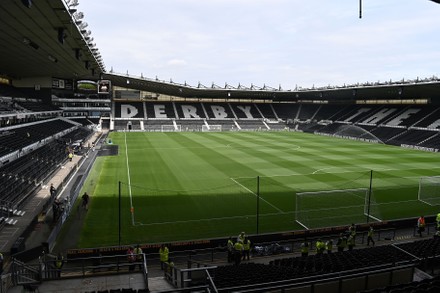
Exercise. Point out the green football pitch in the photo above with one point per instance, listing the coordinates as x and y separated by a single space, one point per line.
187 186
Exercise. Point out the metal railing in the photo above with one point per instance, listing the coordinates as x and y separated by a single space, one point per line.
47 269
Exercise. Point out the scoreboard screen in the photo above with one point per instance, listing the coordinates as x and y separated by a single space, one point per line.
104 86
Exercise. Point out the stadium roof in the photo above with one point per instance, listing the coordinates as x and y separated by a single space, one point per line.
44 38
51 39
427 88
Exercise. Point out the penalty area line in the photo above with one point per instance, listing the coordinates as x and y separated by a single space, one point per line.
206 219
129 180
301 224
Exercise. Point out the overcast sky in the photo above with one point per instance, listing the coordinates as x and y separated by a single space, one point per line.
273 42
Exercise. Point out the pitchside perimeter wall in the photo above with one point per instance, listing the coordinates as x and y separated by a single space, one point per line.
220 243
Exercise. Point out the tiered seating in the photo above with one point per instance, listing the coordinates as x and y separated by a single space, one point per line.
409 116
391 124
355 113
328 112
78 134
191 124
423 248
156 125
86 121
18 138
312 265
277 126
20 177
219 111
311 127
331 128
190 111
125 124
248 274
429 121
252 125
266 110
344 261
423 286
286 111
412 137
385 133
226 124
122 290
129 110
432 142
6 106
160 110
37 106
307 111
245 111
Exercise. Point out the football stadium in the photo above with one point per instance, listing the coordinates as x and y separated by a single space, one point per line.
115 182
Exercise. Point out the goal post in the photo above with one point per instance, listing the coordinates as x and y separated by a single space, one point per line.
327 208
171 128
206 128
429 190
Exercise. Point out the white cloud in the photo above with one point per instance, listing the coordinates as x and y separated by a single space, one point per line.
176 62
272 42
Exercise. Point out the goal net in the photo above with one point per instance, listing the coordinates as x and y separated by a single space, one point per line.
330 208
356 132
211 128
170 128
429 190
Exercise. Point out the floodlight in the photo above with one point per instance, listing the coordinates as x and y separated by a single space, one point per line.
78 15
86 33
83 25
73 3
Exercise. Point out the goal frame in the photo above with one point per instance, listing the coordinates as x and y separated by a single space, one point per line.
365 206
427 200
211 128
170 128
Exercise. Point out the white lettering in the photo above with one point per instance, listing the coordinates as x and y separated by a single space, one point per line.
396 121
159 111
246 110
128 111
219 112
190 112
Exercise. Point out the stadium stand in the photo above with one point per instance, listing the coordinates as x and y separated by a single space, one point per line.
35 106
259 125
189 111
34 141
10 91
349 269
267 111
22 176
85 121
286 111
220 111
17 138
400 125
245 111
191 124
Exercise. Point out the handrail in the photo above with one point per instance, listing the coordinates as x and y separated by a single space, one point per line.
263 287
211 282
